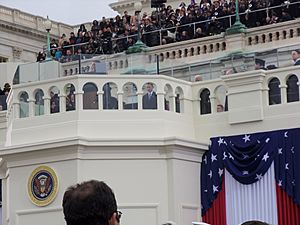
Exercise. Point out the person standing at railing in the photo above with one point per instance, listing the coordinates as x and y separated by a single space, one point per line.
150 37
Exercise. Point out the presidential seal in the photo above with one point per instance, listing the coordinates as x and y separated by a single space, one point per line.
42 186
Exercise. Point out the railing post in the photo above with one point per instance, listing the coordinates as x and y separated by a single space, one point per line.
100 99
140 100
46 105
160 101
172 103
62 103
31 103
213 103
16 108
79 100
120 100
283 92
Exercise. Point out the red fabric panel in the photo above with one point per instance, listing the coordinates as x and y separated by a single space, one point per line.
288 211
216 215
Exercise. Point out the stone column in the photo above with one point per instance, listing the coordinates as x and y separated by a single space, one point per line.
31 110
140 100
283 92
213 103
16 107
172 103
100 99
161 101
120 100
46 105
79 100
62 103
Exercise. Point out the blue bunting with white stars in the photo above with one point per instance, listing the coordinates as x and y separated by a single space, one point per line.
247 158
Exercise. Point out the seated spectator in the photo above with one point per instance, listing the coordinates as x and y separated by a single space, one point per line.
260 64
296 57
198 78
91 202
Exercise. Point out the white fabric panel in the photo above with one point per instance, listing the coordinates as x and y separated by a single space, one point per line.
251 202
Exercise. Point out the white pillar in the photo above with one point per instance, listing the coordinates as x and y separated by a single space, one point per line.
46 105
172 103
161 101
120 100
31 104
100 99
140 100
79 100
213 104
62 103
283 91
16 107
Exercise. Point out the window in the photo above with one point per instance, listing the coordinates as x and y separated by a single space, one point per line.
3 59
54 100
24 105
70 97
179 100
130 97
110 96
292 89
274 92
90 96
205 104
39 102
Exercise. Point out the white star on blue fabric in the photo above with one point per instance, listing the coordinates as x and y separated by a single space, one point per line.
286 134
205 191
213 158
292 150
220 141
245 156
266 156
267 140
279 150
231 157
258 176
221 171
246 138
280 183
287 166
293 183
224 155
205 159
210 174
245 172
215 188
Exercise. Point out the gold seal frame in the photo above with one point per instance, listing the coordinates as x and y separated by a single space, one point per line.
53 194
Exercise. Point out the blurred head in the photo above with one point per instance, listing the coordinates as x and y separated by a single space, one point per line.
295 55
90 203
150 87
220 108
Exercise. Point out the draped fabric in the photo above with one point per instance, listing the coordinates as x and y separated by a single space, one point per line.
256 201
247 158
217 213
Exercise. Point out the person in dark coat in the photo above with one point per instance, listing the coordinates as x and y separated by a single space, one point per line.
260 64
150 37
296 57
150 98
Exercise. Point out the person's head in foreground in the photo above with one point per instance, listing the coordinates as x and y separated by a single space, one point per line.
90 203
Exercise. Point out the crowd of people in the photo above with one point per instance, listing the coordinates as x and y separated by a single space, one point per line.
167 25
3 96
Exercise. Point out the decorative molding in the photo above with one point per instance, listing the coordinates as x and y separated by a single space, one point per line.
17 52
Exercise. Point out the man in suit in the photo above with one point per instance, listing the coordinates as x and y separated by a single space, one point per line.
150 98
296 57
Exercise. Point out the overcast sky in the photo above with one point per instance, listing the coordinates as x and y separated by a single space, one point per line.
72 12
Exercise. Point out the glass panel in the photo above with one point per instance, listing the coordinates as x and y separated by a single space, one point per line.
130 97
24 105
220 94
3 105
168 97
39 103
110 96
